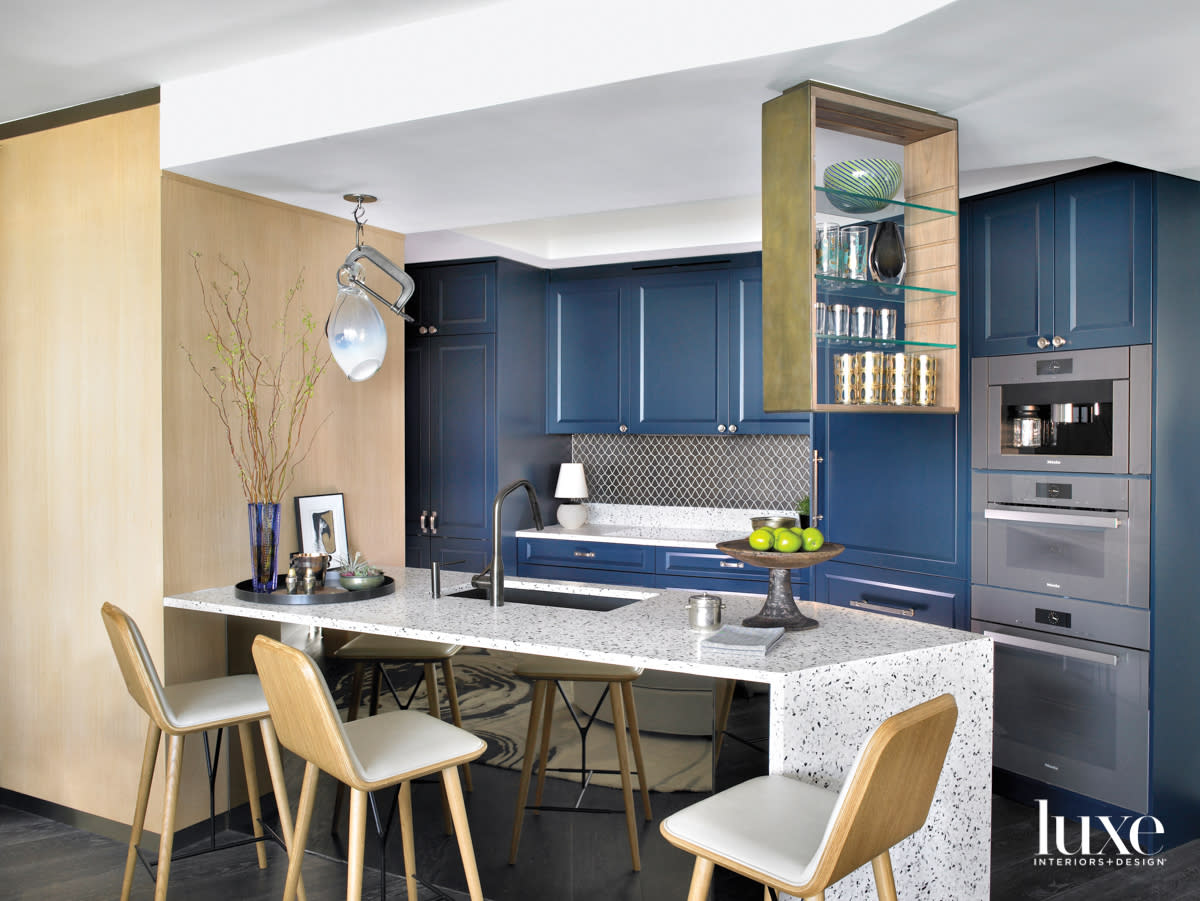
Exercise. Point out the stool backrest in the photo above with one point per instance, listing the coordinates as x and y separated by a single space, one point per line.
137 667
302 709
889 789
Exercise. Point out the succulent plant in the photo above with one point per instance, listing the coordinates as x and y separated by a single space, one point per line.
360 566
802 506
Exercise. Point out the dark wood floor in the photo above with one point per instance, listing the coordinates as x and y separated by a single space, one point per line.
563 857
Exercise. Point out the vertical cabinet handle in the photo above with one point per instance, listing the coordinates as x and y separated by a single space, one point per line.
814 516
433 522
424 516
1057 341
1042 343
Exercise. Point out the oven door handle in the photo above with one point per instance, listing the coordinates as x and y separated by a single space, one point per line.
1049 647
1084 520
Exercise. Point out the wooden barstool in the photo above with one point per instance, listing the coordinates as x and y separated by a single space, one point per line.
547 674
800 838
380 649
179 711
378 752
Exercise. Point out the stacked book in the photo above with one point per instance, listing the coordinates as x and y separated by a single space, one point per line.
743 640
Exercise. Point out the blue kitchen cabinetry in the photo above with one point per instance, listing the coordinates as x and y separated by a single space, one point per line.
473 417
1067 263
663 348
907 595
607 562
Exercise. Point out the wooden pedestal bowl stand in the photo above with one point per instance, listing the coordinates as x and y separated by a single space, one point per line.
780 608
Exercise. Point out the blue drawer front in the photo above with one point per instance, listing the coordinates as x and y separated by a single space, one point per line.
584 554
732 586
575 574
926 599
696 562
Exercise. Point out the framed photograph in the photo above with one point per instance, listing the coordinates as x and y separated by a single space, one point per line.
321 527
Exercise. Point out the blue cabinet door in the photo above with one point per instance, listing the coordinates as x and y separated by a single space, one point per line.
746 414
1104 254
462 434
416 447
676 351
1011 280
454 299
892 490
583 362
921 598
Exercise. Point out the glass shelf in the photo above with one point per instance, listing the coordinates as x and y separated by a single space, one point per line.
881 292
846 344
888 209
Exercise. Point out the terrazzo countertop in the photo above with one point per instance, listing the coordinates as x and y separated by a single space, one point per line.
651 633
691 527
653 536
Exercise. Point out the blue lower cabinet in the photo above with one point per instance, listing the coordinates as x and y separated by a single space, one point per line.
578 574
926 599
678 561
599 555
800 589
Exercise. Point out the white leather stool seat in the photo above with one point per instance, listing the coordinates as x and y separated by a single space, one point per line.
223 701
406 741
386 647
575 670
773 824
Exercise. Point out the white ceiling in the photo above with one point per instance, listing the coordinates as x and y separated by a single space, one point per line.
563 134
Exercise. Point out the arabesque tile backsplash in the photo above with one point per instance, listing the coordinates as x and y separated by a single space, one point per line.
742 471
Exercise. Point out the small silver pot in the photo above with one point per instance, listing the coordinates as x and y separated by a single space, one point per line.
704 612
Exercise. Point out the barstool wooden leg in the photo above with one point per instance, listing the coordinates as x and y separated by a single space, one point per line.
357 843
149 761
308 794
544 753
636 738
466 849
435 711
539 693
885 882
167 839
406 839
247 740
702 874
618 711
455 713
356 688
279 787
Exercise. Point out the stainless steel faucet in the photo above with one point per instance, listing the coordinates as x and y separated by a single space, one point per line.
492 577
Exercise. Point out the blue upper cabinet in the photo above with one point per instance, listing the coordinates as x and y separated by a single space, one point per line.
660 349
676 352
1103 258
1068 264
746 363
583 360
456 300
1012 270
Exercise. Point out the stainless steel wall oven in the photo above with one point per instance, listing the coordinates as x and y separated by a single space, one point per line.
1060 568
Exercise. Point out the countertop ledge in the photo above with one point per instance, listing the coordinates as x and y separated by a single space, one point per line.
648 535
651 633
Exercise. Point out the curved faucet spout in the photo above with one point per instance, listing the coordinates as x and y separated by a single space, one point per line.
492 577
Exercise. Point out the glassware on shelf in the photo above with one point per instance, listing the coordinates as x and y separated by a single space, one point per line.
885 324
886 258
862 319
924 380
838 320
820 314
898 379
871 377
825 257
852 242
845 379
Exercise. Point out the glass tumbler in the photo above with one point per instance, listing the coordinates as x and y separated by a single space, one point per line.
924 379
885 324
871 377
838 320
898 379
820 314
825 251
845 379
861 322
852 239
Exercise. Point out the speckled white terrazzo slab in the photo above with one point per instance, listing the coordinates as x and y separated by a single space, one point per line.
694 527
830 687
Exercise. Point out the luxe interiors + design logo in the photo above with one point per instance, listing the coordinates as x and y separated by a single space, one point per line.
1104 841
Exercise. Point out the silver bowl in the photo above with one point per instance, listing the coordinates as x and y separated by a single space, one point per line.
773 522
359 583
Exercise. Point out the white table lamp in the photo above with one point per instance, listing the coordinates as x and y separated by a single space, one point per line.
572 485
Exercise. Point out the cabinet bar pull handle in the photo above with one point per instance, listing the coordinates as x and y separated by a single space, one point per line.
585 553
433 523
424 516
1055 650
884 608
732 564
816 472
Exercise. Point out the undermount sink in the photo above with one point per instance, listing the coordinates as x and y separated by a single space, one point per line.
580 599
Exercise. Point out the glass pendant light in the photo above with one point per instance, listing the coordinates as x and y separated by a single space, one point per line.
356 333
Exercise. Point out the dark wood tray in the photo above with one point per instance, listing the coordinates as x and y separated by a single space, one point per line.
740 549
244 591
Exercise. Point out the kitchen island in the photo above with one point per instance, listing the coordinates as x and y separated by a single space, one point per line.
830 687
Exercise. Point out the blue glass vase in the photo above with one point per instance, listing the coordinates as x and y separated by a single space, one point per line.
264 545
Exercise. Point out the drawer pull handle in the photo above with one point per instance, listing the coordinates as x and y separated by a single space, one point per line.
1054 650
585 553
733 564
883 608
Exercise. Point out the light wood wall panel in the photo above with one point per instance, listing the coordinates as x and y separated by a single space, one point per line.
357 449
80 326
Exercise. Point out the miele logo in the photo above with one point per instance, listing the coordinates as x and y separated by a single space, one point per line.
1054 462
1053 585
1121 841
